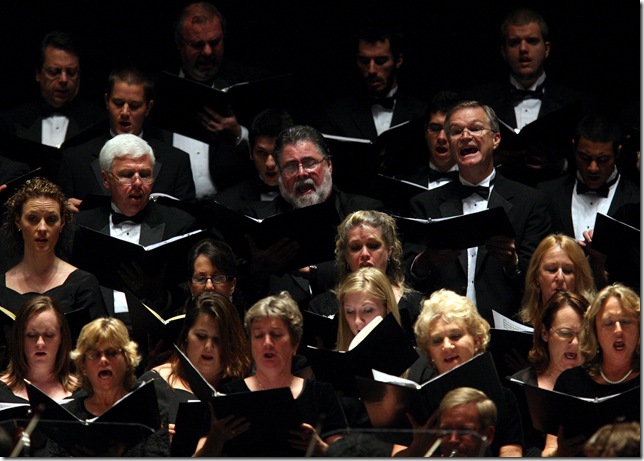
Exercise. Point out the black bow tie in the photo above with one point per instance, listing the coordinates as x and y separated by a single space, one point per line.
602 190
519 95
435 175
47 111
465 191
118 218
387 103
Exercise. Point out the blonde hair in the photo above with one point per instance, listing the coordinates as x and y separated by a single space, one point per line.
584 282
365 280
281 306
452 308
588 342
112 332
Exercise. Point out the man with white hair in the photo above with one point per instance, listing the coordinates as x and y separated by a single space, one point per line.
127 166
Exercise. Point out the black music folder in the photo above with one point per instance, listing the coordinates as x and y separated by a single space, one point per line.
314 228
387 398
102 255
179 100
357 161
614 238
395 193
129 421
503 342
385 347
322 327
456 232
578 415
146 321
32 153
551 133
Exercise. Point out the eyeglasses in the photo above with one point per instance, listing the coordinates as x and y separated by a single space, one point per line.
109 354
130 178
475 131
57 72
215 279
309 166
565 333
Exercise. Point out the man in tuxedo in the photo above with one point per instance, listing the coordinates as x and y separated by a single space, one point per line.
127 170
128 100
380 102
305 179
598 186
266 126
442 167
528 95
490 275
222 160
59 114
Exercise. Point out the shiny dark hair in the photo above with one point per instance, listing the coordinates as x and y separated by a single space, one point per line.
270 122
219 253
132 76
234 346
539 356
301 133
59 40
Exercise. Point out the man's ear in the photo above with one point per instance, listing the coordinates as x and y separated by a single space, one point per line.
489 433
150 106
399 61
106 182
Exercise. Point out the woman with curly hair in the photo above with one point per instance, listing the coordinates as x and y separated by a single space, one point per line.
37 227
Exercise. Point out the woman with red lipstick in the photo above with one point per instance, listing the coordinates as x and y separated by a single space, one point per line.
106 359
274 325
449 332
37 225
557 264
555 349
610 346
368 238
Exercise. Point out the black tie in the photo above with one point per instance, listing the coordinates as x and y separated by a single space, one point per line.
519 95
118 218
465 191
602 190
387 103
435 175
47 111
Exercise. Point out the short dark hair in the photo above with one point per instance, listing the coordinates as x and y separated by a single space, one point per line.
520 17
599 127
269 122
443 101
301 133
132 76
377 32
59 40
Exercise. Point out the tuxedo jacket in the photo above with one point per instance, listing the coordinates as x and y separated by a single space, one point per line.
25 121
560 193
527 210
498 96
80 172
237 196
301 289
351 116
161 223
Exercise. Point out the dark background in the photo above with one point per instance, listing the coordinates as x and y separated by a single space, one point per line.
449 44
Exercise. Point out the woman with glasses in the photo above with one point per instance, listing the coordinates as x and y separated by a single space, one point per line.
214 341
106 360
556 348
610 346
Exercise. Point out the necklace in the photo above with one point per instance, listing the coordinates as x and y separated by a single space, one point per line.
619 380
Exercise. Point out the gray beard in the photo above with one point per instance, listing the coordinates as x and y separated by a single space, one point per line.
319 195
